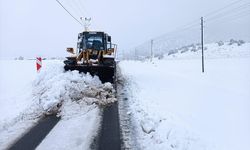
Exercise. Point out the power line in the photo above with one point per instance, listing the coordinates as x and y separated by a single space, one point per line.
69 13
172 36
183 36
220 9
242 15
86 12
82 6
67 4
239 16
230 17
185 27
77 7
73 9
194 22
230 11
214 15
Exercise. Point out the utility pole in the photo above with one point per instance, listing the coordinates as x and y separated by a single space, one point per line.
202 44
135 53
152 42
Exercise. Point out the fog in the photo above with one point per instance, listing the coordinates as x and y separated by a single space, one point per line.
33 28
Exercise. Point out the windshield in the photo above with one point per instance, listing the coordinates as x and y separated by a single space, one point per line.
94 41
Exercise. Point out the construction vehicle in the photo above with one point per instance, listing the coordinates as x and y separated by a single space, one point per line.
95 54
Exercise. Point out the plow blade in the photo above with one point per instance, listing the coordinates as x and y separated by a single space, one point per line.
105 73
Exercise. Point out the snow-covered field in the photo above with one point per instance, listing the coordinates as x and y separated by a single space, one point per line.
27 95
175 106
172 104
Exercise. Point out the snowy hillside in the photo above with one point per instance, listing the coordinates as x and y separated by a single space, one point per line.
174 106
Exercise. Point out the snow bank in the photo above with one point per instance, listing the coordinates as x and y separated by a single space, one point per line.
54 88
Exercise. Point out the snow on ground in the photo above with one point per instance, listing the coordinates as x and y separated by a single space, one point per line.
211 51
15 100
15 87
26 96
75 133
175 106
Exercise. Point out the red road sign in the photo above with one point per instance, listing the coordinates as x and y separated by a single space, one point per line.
38 64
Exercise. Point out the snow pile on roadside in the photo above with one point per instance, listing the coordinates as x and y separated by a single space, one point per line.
220 49
53 88
166 131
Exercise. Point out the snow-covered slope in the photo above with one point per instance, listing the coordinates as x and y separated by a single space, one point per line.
211 51
175 106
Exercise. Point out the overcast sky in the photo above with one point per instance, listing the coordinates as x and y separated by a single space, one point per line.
41 27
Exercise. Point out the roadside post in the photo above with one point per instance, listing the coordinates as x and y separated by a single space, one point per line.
38 64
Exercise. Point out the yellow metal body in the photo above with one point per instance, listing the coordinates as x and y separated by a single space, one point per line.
85 55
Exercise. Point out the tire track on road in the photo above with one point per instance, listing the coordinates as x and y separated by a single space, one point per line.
34 137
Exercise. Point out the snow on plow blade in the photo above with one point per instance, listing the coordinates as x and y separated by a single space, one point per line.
105 73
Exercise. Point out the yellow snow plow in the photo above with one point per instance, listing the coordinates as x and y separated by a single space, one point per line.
95 54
